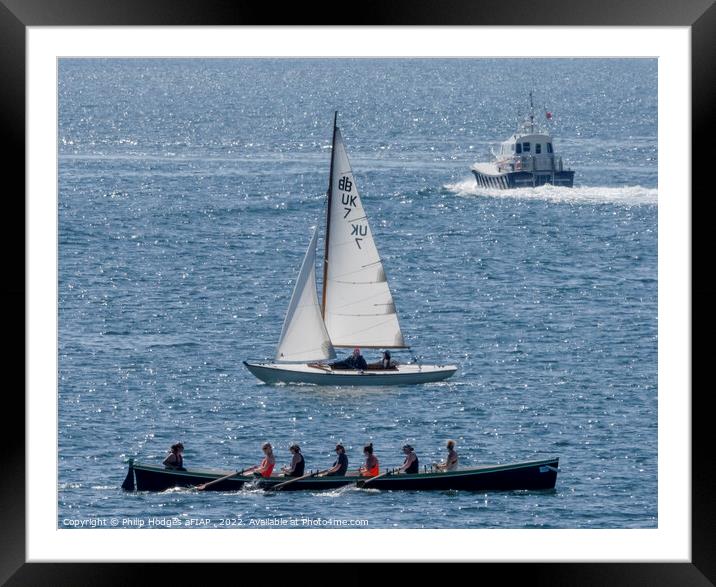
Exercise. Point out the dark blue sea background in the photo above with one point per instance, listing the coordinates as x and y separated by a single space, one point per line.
187 192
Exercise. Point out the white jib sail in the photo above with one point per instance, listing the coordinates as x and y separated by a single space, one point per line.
359 306
304 336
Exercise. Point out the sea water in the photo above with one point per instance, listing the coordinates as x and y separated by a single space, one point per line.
187 193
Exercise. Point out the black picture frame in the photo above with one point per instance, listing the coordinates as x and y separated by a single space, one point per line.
17 15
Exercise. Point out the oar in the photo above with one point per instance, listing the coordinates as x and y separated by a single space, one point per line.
280 485
363 482
210 483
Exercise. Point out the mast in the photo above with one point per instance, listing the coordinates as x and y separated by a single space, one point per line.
358 308
328 216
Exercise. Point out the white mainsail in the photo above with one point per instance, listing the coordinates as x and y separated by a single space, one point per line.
358 305
304 336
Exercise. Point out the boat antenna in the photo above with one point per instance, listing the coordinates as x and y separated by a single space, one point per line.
532 114
328 215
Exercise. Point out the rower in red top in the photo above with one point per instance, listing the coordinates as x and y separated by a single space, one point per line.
267 464
372 467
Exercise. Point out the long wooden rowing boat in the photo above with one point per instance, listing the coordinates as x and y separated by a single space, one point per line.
525 475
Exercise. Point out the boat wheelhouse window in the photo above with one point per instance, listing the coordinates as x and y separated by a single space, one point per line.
549 147
519 147
526 147
538 148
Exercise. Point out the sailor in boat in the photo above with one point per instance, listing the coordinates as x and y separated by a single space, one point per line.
450 463
297 463
175 458
267 464
386 363
372 466
411 464
340 466
355 361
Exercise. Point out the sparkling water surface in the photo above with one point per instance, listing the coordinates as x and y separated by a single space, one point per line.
187 192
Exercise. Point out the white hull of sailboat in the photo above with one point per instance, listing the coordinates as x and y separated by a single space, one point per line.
273 373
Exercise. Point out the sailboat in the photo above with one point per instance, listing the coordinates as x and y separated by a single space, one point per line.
356 309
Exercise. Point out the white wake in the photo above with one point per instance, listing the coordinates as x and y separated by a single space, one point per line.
627 195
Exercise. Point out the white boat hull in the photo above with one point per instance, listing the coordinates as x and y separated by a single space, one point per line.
488 176
273 373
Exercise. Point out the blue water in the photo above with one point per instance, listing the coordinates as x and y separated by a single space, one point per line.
187 189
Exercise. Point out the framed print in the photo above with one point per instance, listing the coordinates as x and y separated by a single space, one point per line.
258 252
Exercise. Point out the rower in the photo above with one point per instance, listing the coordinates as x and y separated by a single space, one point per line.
410 465
340 466
267 464
450 463
297 463
372 467
175 458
